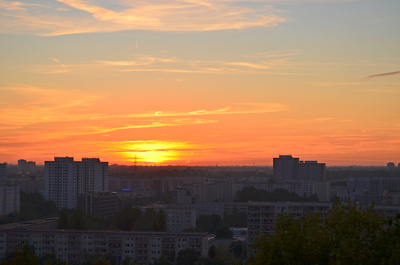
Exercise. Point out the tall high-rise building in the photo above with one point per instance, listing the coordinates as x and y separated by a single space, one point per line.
285 168
311 171
9 195
289 169
3 174
66 179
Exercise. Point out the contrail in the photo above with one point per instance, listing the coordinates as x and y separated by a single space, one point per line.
384 74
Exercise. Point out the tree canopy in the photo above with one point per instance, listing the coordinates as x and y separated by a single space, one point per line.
347 235
253 194
32 206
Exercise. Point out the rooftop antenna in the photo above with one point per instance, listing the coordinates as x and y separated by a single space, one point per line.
135 165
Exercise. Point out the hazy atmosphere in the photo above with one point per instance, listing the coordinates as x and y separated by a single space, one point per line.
222 82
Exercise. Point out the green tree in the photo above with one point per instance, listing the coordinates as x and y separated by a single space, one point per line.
347 235
223 231
208 223
160 222
186 256
63 219
101 261
237 248
253 194
162 260
26 256
212 252
127 218
78 220
236 220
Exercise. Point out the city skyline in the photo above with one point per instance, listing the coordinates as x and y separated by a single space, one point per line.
179 82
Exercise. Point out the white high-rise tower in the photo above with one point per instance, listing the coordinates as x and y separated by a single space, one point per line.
66 179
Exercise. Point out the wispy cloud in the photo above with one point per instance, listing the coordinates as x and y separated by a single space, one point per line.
66 17
52 113
153 63
249 65
383 75
334 84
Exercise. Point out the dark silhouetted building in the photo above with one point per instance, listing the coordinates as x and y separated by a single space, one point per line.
290 169
98 203
285 168
26 166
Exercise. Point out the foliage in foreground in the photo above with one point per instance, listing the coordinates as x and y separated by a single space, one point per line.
348 235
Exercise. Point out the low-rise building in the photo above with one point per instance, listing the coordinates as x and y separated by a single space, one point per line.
98 203
73 246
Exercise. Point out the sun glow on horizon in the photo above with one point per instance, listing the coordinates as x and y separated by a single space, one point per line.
155 152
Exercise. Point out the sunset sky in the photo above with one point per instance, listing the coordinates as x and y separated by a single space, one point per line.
200 82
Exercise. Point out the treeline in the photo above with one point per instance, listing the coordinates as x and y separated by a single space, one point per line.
278 195
128 219
32 206
220 227
134 219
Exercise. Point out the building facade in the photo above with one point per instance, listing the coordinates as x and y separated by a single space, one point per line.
98 203
9 195
179 219
74 246
66 179
26 166
3 174
288 169
9 199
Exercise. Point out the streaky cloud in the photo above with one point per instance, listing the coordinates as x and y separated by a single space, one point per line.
154 15
383 75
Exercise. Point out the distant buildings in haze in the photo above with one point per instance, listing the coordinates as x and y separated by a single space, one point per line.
288 169
26 166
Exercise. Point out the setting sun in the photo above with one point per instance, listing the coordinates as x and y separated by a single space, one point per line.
154 152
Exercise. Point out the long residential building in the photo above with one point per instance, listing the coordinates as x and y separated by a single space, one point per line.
74 246
66 179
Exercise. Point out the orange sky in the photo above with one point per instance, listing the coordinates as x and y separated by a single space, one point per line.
200 82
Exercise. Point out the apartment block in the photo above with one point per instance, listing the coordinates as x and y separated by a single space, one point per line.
9 199
72 246
98 203
9 195
26 166
179 219
66 179
3 174
287 169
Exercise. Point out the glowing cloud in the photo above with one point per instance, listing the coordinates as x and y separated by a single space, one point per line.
173 15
